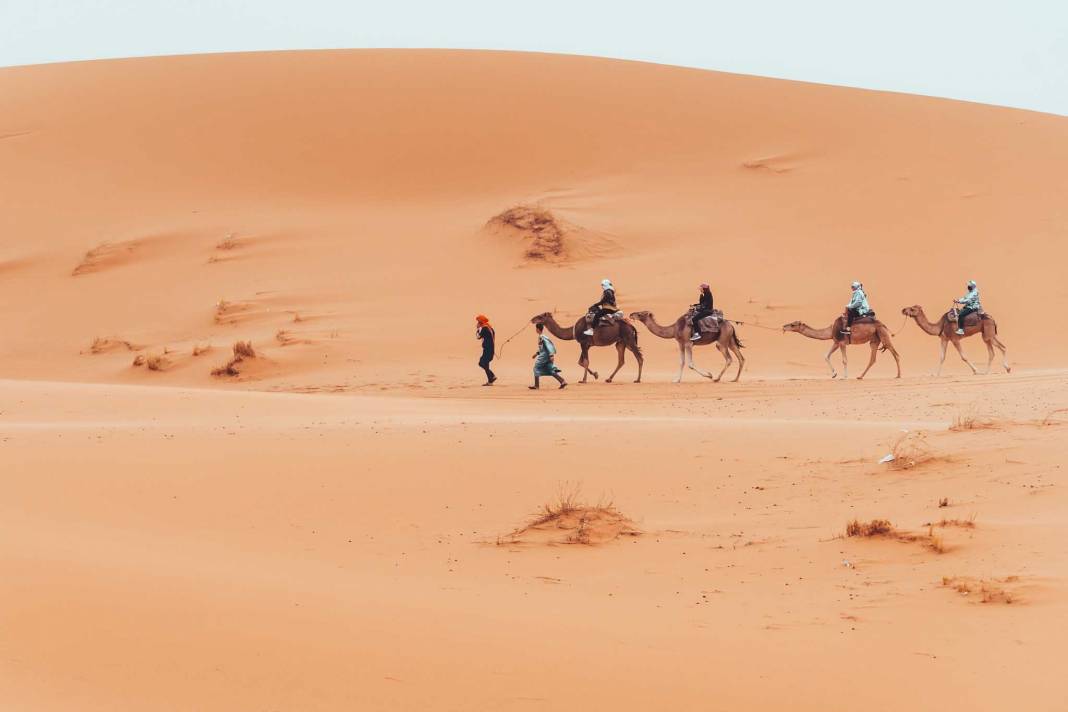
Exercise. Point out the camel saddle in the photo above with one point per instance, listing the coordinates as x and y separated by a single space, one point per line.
710 324
868 318
607 319
970 320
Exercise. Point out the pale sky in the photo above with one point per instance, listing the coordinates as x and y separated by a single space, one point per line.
1009 52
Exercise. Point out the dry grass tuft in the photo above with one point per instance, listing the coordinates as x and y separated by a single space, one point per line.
242 350
139 360
985 590
104 344
199 349
157 363
876 527
970 421
567 519
287 338
944 502
231 312
882 528
960 523
910 450
933 541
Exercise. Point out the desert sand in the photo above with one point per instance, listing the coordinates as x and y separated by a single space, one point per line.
343 518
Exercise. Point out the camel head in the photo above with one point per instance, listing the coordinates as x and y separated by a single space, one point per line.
541 318
792 326
641 315
912 311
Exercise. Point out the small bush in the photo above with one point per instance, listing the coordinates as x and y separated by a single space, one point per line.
876 527
242 350
157 363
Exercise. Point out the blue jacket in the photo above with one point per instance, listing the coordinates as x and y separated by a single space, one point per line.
971 300
859 301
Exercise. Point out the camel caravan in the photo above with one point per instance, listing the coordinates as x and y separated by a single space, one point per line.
604 324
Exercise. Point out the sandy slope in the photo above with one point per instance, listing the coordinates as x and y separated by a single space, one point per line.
174 540
352 187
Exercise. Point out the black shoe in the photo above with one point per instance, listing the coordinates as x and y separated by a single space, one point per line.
491 380
533 388
563 385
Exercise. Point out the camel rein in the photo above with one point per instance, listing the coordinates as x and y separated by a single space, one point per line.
505 343
759 326
904 323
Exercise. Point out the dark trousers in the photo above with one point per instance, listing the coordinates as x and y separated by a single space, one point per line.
852 314
963 313
695 322
598 314
484 363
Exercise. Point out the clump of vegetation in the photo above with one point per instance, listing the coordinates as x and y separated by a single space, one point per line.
882 528
567 519
910 450
876 527
961 523
157 363
971 421
242 351
104 344
984 590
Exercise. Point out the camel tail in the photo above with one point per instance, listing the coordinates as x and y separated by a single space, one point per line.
737 341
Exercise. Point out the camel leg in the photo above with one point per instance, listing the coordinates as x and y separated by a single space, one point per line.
741 361
640 359
942 358
989 356
682 362
621 350
726 354
1004 356
871 361
845 362
827 358
693 366
956 345
897 358
584 362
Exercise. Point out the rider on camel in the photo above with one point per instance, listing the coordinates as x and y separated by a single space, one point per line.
606 306
702 309
970 302
857 307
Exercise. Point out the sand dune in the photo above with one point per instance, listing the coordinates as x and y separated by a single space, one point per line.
375 187
249 465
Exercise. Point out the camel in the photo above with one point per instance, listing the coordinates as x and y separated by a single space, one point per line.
946 330
864 332
621 334
726 340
